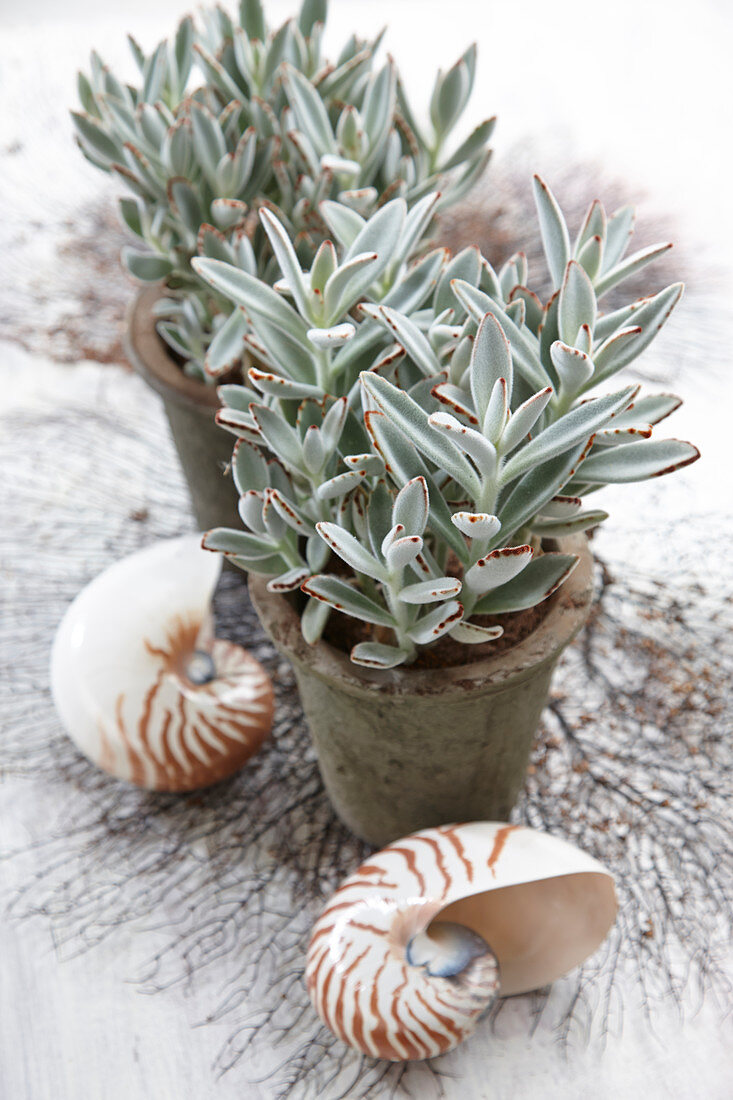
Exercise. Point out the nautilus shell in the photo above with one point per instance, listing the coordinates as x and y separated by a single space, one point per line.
417 943
142 686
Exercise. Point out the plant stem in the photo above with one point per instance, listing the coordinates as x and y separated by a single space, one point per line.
399 610
323 368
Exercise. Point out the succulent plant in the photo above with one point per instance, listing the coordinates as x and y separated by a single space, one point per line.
272 125
431 423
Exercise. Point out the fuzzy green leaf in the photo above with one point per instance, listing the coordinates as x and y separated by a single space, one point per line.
146 266
436 623
575 427
344 223
309 110
244 545
619 231
473 145
208 140
252 18
630 267
227 347
491 359
637 461
409 293
313 620
93 135
256 297
525 346
497 568
275 385
289 263
406 415
473 634
535 583
249 467
348 283
650 316
535 489
524 418
440 588
408 335
403 463
279 436
559 528
553 229
351 551
378 655
577 303
347 599
130 212
288 581
411 506
574 368
339 485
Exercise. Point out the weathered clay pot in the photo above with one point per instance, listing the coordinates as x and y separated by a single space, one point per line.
407 749
204 449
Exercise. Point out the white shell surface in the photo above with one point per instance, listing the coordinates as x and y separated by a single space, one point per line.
139 682
539 904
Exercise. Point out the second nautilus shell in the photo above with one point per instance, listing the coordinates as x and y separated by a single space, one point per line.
140 682
416 944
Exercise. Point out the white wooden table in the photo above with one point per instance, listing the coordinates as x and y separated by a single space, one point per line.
153 947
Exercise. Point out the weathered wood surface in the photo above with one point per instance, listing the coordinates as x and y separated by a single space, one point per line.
153 946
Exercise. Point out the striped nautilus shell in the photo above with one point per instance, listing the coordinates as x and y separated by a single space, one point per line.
417 943
141 684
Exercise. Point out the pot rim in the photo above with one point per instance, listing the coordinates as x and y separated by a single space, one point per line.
493 673
150 358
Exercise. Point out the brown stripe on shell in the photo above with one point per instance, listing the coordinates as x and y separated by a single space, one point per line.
439 859
358 1029
316 972
322 930
441 1040
145 718
323 998
380 1038
192 760
407 1035
383 883
377 1032
411 862
446 1021
331 908
449 832
338 1020
165 735
107 756
373 928
137 768
499 842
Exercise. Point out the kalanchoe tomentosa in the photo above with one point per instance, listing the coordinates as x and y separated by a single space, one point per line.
430 424
268 124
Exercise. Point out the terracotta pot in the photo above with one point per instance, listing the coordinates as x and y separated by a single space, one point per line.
407 749
204 449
